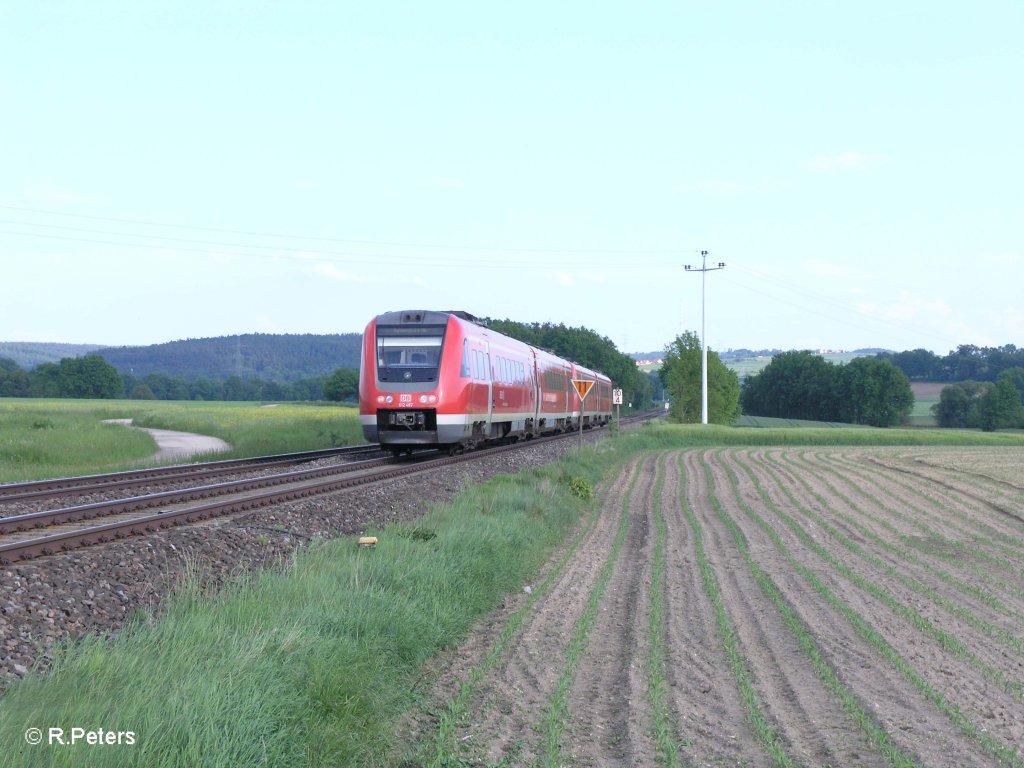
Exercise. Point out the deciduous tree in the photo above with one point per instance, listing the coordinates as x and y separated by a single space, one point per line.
343 384
999 407
681 375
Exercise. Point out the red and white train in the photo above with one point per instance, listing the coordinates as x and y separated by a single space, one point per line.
442 379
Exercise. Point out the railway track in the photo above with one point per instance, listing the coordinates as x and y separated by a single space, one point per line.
152 512
135 515
85 484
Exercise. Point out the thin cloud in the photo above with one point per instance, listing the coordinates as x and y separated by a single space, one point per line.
442 182
910 307
725 187
829 269
844 161
333 272
53 194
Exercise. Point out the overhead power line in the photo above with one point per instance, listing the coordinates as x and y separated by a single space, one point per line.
312 238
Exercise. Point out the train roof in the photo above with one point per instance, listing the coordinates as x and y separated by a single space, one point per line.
425 317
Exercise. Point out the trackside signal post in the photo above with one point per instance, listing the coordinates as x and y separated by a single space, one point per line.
617 402
583 387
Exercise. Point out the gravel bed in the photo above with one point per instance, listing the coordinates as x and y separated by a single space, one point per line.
60 597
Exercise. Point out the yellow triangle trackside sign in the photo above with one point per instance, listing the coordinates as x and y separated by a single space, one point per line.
582 387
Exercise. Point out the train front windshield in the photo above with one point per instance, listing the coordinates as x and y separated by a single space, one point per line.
405 356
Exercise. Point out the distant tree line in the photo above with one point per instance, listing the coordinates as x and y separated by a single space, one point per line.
281 358
803 385
966 363
984 405
84 377
589 349
93 377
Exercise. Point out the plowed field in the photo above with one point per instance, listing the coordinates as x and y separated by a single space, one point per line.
756 607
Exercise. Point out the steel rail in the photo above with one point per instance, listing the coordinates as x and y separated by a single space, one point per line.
27 521
68 486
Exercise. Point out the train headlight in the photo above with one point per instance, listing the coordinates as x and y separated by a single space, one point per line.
389 399
380 398
424 399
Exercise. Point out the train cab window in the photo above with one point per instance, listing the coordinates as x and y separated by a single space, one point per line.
406 357
464 370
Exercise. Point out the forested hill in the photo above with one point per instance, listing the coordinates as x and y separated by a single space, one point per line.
29 354
281 358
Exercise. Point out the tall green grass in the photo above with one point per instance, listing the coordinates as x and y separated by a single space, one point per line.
54 438
253 429
39 439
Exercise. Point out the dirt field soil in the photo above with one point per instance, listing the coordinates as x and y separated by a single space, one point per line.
756 607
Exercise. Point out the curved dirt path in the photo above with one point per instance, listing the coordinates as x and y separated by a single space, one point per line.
178 445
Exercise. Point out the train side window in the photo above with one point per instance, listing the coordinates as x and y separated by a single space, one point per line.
464 370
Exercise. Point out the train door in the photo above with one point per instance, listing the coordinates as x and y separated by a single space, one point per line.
535 392
490 383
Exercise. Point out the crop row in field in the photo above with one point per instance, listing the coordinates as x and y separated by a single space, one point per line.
767 605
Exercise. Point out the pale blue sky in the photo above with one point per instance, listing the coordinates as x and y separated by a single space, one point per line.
188 169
